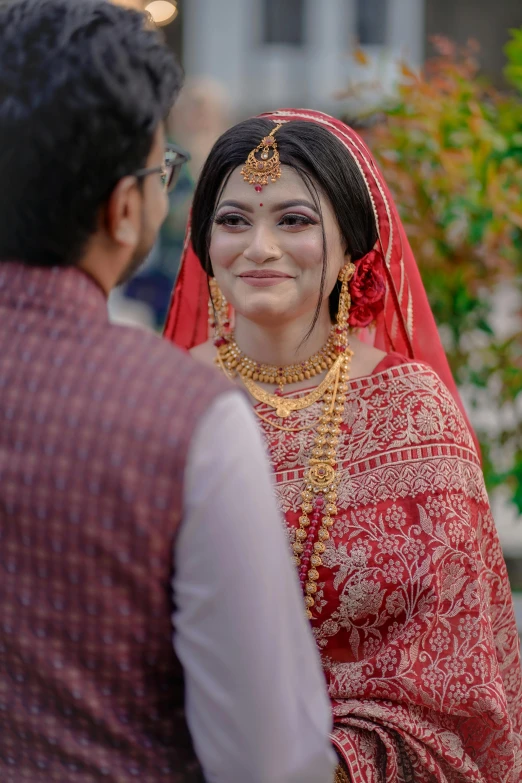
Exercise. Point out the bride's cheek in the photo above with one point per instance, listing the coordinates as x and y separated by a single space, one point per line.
308 251
223 251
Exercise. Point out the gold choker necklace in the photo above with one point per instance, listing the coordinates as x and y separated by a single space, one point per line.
237 363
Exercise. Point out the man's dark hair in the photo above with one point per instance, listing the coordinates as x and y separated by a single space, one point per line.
84 85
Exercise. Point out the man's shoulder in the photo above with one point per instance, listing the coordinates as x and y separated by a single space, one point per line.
140 354
137 344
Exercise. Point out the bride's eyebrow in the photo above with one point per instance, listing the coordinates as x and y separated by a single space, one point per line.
235 205
294 203
275 208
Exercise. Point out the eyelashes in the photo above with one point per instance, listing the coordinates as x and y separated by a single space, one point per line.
289 220
298 220
230 220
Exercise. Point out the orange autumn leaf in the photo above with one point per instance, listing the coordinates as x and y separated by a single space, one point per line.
408 72
360 56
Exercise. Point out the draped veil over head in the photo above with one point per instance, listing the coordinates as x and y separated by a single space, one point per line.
406 325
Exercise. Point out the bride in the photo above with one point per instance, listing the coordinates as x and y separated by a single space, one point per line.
317 309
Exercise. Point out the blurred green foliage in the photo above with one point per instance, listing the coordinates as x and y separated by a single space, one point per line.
450 147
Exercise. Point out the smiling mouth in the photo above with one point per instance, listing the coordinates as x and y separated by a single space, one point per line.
264 274
264 278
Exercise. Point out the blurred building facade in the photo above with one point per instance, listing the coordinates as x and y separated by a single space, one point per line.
274 53
299 52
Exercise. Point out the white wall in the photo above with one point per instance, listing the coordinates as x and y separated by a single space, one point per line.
222 38
406 29
215 41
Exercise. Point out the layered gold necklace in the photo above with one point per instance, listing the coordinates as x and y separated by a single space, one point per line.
319 496
320 493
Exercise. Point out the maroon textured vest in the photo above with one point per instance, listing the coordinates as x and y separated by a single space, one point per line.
95 424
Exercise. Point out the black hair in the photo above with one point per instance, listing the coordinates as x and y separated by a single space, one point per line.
323 163
84 85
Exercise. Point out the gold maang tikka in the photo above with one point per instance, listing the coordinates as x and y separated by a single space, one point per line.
263 163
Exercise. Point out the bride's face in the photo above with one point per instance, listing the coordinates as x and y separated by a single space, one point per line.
266 248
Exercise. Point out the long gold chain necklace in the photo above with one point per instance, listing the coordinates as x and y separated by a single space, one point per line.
320 493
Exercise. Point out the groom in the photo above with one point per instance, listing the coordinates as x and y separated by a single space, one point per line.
123 475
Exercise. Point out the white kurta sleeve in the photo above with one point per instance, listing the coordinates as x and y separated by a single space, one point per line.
255 692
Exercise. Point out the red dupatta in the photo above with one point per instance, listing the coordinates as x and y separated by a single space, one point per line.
405 326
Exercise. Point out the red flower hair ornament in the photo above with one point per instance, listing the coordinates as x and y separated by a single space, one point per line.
367 290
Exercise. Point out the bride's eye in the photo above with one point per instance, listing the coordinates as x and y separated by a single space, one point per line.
231 220
296 221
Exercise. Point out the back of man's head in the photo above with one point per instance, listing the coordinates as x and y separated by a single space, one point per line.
84 85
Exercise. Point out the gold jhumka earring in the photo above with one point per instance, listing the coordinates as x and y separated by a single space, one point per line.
345 302
218 314
263 162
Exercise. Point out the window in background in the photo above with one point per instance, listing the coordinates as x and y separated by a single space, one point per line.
371 22
283 22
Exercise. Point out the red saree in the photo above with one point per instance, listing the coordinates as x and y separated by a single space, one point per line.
413 615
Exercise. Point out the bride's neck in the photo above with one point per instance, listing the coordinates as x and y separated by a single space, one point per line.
282 344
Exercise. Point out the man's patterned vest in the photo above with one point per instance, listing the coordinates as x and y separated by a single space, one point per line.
95 425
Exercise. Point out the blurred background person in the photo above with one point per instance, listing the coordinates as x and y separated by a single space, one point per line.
199 117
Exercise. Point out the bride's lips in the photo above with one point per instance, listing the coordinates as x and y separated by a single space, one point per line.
261 278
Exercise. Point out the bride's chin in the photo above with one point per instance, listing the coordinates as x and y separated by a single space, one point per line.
267 315
264 307
261 317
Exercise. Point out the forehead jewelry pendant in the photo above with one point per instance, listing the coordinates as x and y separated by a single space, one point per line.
263 163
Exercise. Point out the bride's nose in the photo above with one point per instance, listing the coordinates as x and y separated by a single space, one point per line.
262 246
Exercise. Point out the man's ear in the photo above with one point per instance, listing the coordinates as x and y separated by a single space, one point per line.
123 213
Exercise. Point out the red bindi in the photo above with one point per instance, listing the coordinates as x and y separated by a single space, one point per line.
260 205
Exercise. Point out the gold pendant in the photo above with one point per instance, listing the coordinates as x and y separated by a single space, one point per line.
321 475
